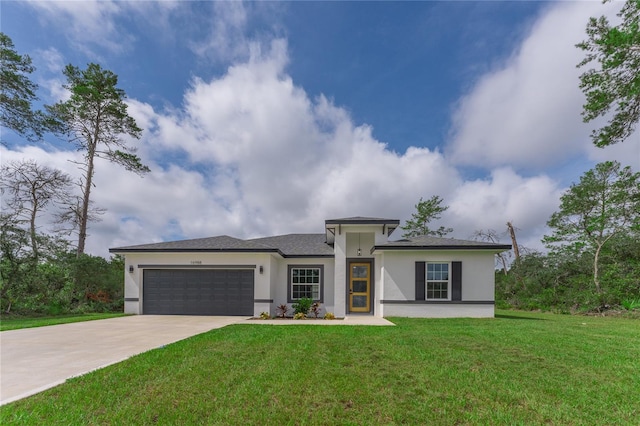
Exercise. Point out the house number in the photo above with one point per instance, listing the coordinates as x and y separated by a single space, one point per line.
196 262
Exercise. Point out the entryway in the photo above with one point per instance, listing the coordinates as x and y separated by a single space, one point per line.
360 286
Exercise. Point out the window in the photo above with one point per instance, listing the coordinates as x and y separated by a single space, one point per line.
437 281
305 282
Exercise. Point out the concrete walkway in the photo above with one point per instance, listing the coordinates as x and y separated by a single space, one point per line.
349 320
35 359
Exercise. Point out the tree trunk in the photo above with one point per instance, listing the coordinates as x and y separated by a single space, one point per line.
512 232
34 242
596 278
84 215
504 263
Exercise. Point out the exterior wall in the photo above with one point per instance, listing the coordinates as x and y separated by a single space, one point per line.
348 240
280 283
449 310
133 280
340 266
397 276
393 284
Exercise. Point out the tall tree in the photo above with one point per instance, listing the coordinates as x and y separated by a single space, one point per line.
95 119
616 84
28 189
605 204
426 211
17 92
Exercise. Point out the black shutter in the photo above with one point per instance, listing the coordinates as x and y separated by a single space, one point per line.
456 280
420 280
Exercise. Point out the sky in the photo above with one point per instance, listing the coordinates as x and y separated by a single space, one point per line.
267 118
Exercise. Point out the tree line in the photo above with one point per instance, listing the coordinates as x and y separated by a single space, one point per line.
593 257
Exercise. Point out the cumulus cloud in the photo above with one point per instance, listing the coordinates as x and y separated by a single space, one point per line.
527 112
505 196
249 153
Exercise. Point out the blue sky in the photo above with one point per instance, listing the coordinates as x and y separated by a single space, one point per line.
267 118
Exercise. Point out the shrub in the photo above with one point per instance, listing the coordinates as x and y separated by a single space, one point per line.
282 310
630 305
302 306
299 315
265 315
315 309
329 316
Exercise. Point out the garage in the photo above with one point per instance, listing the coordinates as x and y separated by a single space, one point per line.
198 292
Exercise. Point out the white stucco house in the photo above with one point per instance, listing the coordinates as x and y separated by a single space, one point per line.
352 268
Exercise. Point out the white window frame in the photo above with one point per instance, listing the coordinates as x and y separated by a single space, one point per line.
434 280
318 284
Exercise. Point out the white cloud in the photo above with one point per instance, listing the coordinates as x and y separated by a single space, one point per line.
251 154
87 23
93 26
627 152
226 39
505 196
527 113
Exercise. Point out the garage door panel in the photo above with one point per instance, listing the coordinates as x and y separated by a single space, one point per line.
198 292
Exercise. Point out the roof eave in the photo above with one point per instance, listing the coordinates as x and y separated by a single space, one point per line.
362 222
497 248
191 250
307 256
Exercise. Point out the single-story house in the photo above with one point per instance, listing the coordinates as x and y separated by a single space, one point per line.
352 268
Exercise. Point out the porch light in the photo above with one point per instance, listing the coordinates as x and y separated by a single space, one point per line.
261 269
359 249
131 269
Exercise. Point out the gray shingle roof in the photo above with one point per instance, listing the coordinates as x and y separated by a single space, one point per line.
292 245
219 243
428 242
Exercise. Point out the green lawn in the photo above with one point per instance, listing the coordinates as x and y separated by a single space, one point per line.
519 368
14 323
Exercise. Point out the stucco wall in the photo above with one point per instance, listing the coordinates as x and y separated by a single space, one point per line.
398 273
280 284
449 310
133 280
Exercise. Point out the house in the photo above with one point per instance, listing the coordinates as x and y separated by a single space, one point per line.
352 268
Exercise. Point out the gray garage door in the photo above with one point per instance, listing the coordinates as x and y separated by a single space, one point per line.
198 292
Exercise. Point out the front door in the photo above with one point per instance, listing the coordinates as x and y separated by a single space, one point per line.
359 287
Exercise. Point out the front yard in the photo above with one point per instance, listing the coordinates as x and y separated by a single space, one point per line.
16 322
519 368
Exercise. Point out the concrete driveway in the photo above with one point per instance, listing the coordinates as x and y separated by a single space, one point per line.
35 359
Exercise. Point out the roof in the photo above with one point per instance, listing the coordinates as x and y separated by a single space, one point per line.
219 243
428 242
388 225
361 220
292 245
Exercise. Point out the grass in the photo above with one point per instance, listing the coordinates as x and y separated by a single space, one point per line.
520 368
15 323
